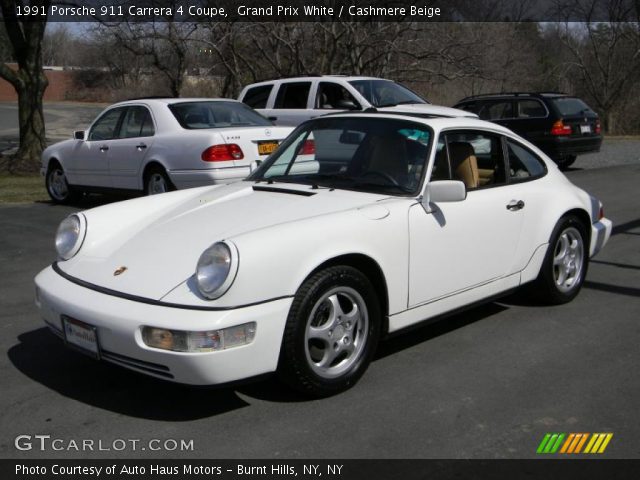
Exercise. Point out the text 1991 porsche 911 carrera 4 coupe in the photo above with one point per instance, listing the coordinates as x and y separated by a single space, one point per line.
359 225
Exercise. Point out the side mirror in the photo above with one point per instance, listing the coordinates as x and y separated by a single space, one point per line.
78 134
443 191
347 105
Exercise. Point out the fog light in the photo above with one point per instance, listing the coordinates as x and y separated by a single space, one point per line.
207 341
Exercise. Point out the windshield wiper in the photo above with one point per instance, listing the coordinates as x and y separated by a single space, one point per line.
402 188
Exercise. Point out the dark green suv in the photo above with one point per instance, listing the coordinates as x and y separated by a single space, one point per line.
560 125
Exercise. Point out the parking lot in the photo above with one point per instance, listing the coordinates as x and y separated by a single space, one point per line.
487 383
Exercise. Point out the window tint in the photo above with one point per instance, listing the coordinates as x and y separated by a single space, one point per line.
257 97
198 115
293 95
105 127
496 110
368 154
531 109
137 122
334 96
474 158
570 106
523 163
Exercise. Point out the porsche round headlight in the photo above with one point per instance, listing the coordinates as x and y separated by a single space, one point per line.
216 269
70 236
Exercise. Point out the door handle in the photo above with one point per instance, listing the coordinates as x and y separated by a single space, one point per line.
104 148
515 205
273 119
141 146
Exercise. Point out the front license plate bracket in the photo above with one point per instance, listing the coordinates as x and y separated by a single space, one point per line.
80 336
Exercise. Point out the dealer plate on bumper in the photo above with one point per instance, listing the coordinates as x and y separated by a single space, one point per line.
81 336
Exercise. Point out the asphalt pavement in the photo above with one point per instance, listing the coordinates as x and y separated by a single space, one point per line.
487 383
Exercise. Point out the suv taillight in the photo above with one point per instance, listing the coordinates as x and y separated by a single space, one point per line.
560 128
222 153
598 127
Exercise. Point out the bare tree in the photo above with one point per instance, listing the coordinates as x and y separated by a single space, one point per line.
604 55
28 80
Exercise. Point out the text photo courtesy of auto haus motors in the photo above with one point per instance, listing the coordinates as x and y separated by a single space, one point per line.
384 169
360 240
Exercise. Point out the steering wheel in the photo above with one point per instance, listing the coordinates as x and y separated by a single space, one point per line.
384 175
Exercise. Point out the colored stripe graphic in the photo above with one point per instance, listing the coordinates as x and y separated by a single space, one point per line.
572 443
550 443
598 443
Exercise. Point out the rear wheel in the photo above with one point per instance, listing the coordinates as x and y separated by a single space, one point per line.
566 161
565 265
157 181
57 186
331 332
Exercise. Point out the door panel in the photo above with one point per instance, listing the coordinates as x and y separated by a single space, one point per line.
463 244
128 152
89 163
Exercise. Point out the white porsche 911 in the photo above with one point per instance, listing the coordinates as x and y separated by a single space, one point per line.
157 145
358 226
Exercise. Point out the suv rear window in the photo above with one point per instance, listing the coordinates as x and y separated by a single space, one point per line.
198 115
257 97
568 106
293 95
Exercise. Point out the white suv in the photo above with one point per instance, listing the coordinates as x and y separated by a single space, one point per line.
291 101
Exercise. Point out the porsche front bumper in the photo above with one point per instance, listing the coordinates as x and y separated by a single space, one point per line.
119 321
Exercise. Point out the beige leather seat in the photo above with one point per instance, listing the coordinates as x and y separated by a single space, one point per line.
464 163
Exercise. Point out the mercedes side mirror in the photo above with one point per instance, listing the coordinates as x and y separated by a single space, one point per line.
78 134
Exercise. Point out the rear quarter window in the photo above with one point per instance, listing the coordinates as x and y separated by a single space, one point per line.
257 97
293 95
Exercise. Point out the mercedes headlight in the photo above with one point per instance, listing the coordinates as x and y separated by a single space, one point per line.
70 235
216 269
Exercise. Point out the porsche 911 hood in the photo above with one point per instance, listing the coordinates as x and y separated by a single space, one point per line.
161 242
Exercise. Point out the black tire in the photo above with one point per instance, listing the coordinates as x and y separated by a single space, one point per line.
566 161
549 287
157 181
57 186
349 336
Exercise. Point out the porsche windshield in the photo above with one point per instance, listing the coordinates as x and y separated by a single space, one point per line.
379 155
385 93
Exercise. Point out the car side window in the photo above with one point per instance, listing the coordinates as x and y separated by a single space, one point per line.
475 158
531 109
107 125
257 97
293 95
137 122
523 163
333 96
496 110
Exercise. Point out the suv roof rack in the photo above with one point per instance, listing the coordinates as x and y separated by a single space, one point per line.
511 94
284 77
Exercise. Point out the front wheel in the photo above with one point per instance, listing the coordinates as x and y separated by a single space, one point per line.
331 332
565 265
57 186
